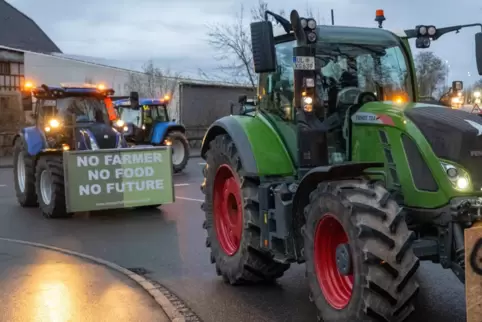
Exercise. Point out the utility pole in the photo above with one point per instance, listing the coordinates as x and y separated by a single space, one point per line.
332 17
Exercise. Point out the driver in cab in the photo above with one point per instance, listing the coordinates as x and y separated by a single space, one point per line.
147 115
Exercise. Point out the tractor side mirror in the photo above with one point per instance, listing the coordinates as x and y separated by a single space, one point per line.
457 86
478 51
262 41
134 99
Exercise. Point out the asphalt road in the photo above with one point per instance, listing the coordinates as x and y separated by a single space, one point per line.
169 244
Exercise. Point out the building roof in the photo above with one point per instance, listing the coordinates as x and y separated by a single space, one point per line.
19 31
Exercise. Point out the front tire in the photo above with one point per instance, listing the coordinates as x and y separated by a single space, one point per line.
356 228
49 184
180 150
24 175
232 211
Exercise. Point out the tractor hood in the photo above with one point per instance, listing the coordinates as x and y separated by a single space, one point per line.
454 135
95 135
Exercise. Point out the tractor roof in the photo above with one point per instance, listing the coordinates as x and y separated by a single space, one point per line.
348 34
142 101
69 90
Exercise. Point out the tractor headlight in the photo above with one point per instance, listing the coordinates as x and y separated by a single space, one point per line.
53 123
308 104
120 123
460 178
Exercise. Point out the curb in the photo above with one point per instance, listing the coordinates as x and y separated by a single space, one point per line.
171 311
9 166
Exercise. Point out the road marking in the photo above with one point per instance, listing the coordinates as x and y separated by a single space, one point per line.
181 184
169 307
3 185
202 163
190 199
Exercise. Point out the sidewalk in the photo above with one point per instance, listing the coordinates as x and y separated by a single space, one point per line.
7 161
43 285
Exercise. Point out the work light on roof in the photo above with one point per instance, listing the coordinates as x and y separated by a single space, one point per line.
311 37
422 30
304 23
431 30
312 23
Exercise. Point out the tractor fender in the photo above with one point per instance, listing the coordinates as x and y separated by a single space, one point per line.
161 129
262 151
310 181
230 126
34 140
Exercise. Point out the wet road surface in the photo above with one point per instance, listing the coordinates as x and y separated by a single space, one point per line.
42 285
170 245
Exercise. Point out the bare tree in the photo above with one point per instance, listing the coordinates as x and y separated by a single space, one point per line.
232 44
478 85
431 72
154 81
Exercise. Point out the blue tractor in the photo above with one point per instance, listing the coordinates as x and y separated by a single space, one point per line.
146 121
67 117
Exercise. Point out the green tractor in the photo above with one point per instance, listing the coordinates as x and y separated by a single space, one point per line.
340 167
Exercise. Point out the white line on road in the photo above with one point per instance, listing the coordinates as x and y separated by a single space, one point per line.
189 199
3 185
202 163
181 184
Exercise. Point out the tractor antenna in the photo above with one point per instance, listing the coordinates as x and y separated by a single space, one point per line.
332 17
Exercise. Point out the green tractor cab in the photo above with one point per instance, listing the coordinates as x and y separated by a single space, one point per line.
341 167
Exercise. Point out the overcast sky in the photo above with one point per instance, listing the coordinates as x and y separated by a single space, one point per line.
173 32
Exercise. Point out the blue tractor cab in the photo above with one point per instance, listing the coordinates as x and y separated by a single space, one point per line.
146 121
67 117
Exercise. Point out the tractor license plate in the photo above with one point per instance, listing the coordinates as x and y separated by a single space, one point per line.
304 63
473 272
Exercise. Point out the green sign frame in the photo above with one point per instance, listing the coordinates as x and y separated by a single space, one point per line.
118 178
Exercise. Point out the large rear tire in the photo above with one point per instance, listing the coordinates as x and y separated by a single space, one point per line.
359 259
180 150
232 218
24 175
49 184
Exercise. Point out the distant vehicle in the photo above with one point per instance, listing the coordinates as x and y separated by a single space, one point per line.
146 121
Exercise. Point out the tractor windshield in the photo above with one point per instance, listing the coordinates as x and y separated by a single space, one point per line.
85 109
158 113
151 113
343 71
364 68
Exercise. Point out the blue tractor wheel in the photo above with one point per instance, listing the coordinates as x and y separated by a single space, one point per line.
180 150
24 175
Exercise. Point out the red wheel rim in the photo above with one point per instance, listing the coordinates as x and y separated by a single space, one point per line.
337 289
228 213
